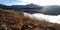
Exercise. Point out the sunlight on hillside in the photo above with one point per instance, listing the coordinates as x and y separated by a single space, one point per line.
11 20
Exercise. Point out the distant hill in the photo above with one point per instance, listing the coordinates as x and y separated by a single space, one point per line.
51 10
6 7
33 6
19 6
29 8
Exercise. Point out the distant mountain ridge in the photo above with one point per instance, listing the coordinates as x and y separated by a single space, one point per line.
5 7
20 6
51 10
27 6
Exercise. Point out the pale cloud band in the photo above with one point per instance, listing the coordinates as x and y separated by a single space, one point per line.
42 2
38 2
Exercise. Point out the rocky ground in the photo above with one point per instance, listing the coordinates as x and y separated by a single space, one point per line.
10 20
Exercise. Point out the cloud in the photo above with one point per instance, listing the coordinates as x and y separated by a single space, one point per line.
39 16
17 2
42 2
24 2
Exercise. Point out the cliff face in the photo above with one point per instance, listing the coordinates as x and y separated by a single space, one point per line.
10 20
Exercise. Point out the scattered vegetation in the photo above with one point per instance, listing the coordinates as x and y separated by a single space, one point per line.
10 20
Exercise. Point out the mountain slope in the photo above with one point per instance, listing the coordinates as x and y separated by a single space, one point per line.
10 20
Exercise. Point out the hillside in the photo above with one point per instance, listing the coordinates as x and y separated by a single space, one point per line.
10 20
29 8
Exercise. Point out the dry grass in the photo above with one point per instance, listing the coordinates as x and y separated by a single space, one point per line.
10 20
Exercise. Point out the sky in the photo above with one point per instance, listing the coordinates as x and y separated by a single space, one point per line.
24 2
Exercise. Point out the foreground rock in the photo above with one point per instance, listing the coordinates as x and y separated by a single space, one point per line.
10 20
